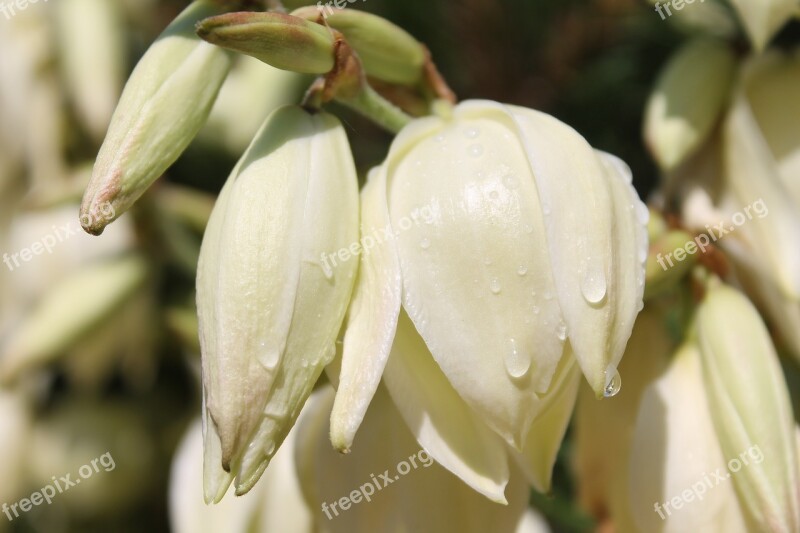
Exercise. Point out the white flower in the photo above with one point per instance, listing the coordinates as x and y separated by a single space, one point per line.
269 313
534 249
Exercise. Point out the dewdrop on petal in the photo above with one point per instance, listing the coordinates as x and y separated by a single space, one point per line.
269 314
165 102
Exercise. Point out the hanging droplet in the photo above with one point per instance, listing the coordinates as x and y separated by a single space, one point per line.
517 363
593 286
495 286
613 386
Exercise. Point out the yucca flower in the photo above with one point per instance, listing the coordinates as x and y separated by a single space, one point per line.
532 258
269 312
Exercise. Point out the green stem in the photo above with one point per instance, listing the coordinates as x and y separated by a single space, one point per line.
376 108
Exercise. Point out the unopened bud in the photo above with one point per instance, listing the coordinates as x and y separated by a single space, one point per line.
164 104
750 407
388 52
283 41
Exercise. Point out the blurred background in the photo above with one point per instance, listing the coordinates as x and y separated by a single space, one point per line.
98 341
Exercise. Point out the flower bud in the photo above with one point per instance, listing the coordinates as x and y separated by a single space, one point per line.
675 453
688 100
269 311
750 407
277 39
387 51
763 19
164 104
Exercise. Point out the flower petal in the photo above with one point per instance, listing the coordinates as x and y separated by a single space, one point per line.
576 195
372 318
406 490
546 433
440 420
476 268
330 222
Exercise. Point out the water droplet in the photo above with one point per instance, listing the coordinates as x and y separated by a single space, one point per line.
593 286
613 386
536 309
561 331
494 195
511 181
495 286
522 270
517 363
425 243
476 150
472 133
268 357
528 228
